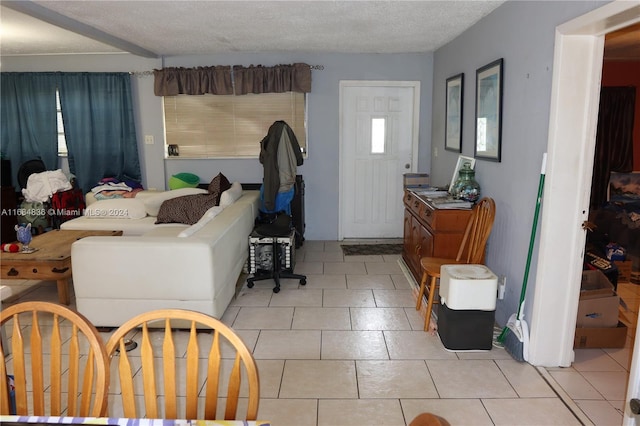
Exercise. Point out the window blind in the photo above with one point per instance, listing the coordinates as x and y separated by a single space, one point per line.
228 126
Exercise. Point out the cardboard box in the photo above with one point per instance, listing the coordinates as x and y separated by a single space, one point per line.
605 337
416 180
600 312
595 285
599 303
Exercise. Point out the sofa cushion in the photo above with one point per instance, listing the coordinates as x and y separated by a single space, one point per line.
187 209
117 208
206 218
218 185
153 202
132 227
230 196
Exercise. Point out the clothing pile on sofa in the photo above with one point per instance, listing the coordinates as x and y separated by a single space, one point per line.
108 188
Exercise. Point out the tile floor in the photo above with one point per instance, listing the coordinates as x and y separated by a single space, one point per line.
348 349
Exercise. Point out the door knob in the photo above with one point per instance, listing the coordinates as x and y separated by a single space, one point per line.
407 166
634 404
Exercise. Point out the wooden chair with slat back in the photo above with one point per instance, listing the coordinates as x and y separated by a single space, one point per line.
429 419
77 367
471 251
168 323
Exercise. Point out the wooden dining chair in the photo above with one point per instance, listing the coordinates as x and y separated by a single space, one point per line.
192 351
429 419
471 251
54 352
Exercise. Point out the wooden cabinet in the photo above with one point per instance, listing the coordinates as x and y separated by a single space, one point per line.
430 232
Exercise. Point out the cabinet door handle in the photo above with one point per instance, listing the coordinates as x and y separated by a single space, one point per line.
416 204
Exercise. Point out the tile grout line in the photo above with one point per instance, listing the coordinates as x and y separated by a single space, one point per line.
564 397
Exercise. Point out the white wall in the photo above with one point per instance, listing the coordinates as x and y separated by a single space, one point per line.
320 170
523 33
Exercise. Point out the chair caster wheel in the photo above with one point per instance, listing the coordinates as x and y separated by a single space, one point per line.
276 289
303 282
250 284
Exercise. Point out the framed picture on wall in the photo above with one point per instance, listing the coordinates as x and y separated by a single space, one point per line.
489 111
453 122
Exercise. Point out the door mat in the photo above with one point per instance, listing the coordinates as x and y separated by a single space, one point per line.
370 249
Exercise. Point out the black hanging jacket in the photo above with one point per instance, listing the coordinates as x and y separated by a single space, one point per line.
280 154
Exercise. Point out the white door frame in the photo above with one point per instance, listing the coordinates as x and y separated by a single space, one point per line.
575 95
415 85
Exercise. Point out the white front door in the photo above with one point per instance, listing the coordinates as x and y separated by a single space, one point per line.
378 144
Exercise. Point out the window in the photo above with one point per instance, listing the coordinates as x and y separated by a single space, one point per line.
62 141
228 126
378 134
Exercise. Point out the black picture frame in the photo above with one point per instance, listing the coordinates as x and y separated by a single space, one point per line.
453 113
488 122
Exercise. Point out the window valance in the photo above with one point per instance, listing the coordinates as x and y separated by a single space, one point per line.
217 80
174 81
277 79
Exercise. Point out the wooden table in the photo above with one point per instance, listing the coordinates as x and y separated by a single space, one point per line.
52 260
46 420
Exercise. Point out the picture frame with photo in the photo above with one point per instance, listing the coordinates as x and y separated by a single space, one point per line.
624 187
488 122
453 113
462 159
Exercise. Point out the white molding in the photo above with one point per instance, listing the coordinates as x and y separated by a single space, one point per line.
575 95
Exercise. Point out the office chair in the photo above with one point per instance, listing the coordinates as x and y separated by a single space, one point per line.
273 239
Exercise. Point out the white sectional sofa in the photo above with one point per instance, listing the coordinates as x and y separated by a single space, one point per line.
161 266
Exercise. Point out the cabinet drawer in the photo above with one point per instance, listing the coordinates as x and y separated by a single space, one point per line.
413 203
440 220
426 214
450 220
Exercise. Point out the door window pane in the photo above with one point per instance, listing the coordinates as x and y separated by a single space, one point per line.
378 132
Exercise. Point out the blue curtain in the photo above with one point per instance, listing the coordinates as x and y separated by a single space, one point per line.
97 111
28 115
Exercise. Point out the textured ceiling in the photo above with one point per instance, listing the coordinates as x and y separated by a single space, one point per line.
168 28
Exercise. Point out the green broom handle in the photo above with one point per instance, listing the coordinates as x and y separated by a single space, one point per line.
523 292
